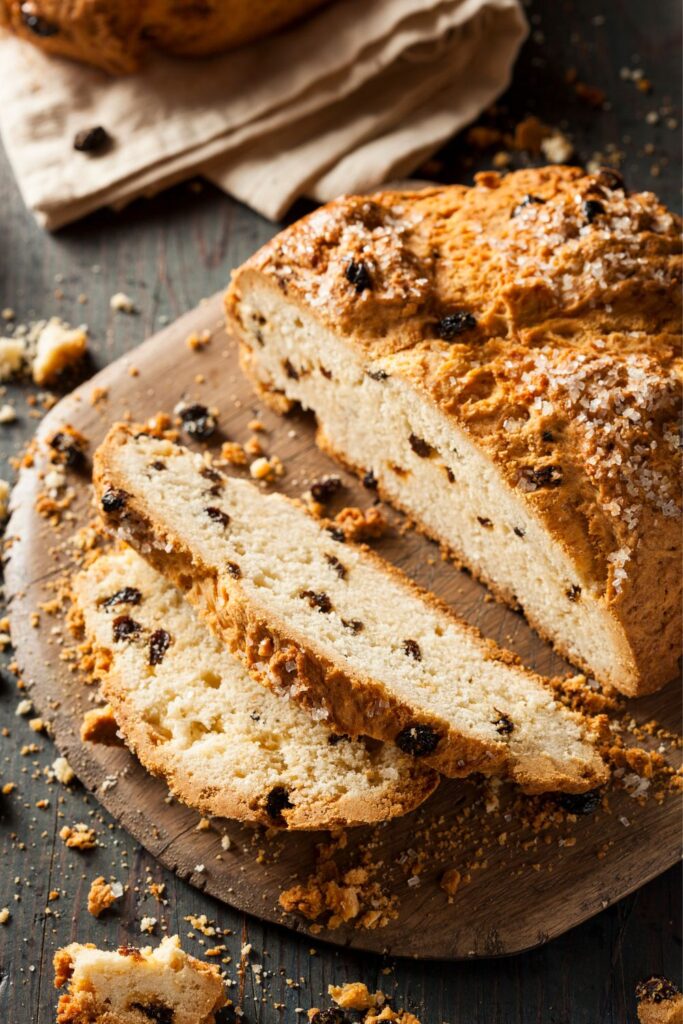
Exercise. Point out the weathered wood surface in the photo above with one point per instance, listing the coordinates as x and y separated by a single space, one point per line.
168 254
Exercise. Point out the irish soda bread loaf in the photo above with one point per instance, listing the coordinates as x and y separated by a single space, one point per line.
114 34
136 986
225 744
503 362
333 625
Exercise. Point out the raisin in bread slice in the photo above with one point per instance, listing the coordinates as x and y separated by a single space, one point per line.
502 361
222 742
136 986
333 625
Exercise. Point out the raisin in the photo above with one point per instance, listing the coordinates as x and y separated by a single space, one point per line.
334 738
125 628
324 490
450 475
503 723
196 420
420 447
317 599
412 649
127 595
114 499
580 803
158 465
336 533
255 717
333 1015
290 371
160 1013
358 275
69 449
92 140
218 515
573 592
209 473
369 481
355 626
377 374
418 740
610 179
326 373
592 208
159 643
548 437
543 476
655 989
528 200
276 802
39 26
453 324
518 531
337 566
233 569
486 523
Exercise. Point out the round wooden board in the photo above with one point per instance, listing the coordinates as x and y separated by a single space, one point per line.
519 899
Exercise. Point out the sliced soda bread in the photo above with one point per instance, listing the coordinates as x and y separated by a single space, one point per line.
225 744
503 363
136 986
334 626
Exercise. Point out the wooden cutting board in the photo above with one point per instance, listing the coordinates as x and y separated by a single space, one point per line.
523 889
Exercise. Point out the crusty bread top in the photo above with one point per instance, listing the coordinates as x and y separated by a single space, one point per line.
225 744
542 310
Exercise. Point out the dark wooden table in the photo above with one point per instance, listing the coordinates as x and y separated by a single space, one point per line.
167 254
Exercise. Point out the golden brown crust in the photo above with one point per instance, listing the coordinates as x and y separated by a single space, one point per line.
115 35
284 661
568 376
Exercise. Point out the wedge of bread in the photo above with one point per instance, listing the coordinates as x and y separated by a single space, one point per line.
503 362
135 986
334 626
223 743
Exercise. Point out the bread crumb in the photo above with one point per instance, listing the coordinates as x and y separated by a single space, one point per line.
58 347
354 995
102 895
148 924
64 773
99 726
450 882
358 525
266 469
4 915
12 356
121 303
233 453
80 837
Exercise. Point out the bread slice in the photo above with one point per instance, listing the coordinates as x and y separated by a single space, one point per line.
136 986
224 744
334 626
502 362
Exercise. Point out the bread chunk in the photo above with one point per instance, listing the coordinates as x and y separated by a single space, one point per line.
334 626
135 986
115 34
504 360
223 743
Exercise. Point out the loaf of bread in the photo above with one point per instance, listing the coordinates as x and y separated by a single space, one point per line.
136 986
333 625
503 363
115 34
223 743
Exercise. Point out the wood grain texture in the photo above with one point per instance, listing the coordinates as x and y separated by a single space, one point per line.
168 253
549 888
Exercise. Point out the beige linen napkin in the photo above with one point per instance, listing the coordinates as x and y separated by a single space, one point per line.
361 92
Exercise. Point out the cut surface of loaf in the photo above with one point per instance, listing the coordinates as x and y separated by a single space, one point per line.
504 361
225 744
337 628
136 986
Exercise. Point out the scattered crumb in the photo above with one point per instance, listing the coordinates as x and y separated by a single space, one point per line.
80 837
266 469
63 771
354 995
148 924
121 303
99 726
102 895
450 881
357 524
233 453
58 347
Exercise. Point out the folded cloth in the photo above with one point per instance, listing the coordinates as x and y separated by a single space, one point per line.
356 94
